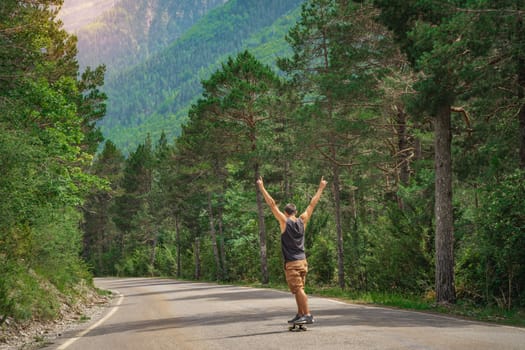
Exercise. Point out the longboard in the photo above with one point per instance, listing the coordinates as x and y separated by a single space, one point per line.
295 327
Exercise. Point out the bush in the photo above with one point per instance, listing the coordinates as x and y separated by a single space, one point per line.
397 258
26 295
321 261
491 260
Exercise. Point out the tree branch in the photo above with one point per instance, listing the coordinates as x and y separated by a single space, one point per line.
466 117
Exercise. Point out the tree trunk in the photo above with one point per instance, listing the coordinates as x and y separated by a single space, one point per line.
339 228
418 152
153 252
222 176
214 239
521 114
287 179
197 254
222 250
403 153
177 233
520 33
260 210
444 279
522 136
262 229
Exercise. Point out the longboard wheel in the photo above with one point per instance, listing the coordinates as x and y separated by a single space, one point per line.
297 328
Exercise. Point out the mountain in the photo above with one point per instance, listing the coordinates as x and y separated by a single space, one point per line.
132 30
78 13
159 51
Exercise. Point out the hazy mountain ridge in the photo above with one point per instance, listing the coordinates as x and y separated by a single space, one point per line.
133 30
78 13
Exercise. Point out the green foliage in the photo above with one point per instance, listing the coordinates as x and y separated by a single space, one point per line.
491 257
241 241
45 145
165 263
25 295
321 261
61 266
398 258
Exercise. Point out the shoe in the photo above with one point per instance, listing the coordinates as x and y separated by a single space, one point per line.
295 318
309 319
306 319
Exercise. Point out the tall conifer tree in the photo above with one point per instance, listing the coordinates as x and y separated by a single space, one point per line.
244 91
336 48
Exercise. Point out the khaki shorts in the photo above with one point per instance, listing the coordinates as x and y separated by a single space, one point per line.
295 272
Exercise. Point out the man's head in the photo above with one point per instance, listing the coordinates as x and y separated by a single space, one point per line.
290 209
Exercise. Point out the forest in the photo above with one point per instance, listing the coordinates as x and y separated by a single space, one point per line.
48 138
413 111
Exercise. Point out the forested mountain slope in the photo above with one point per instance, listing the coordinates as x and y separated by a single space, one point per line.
154 95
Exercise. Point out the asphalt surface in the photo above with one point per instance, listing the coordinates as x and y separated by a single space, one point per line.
168 314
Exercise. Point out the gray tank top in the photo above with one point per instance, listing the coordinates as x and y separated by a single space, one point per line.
292 240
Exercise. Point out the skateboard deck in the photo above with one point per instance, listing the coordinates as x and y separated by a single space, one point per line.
297 327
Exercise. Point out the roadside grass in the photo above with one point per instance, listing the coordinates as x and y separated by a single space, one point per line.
463 308
103 292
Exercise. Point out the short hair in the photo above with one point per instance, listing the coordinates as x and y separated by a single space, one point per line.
290 209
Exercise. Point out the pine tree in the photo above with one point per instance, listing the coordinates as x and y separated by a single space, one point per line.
136 185
335 68
201 154
436 43
243 92
100 234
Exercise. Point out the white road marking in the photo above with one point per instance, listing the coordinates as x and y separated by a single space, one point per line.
85 331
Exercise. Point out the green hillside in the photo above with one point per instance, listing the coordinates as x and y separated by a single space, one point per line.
154 96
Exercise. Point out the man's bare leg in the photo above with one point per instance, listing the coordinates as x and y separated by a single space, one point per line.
302 302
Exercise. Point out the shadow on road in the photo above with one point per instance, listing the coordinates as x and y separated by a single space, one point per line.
236 296
183 322
328 313
347 316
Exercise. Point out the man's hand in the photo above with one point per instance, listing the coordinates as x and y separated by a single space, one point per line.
260 182
323 183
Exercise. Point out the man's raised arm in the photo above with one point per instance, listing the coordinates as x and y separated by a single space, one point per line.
271 203
315 199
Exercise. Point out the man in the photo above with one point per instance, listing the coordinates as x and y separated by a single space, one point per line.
292 246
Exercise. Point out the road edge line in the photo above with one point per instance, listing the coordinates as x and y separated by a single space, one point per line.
99 322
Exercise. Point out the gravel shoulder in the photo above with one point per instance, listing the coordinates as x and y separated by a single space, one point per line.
36 334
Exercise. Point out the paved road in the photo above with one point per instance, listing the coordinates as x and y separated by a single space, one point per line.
168 314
